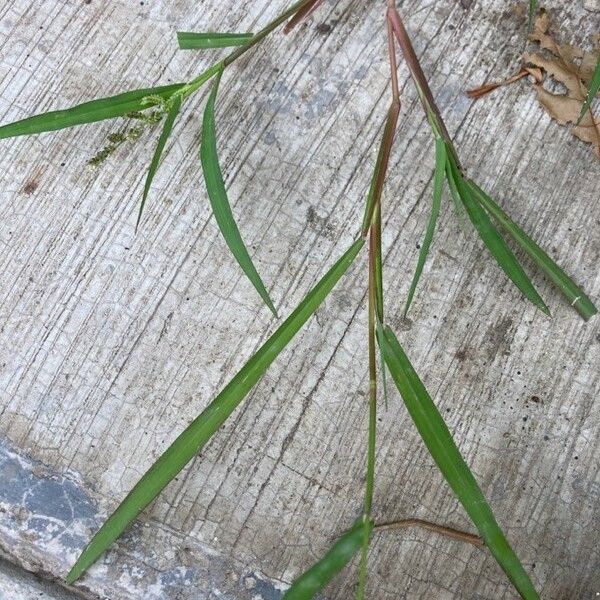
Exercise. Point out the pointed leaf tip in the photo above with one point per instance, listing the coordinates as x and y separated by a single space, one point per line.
438 440
219 200
197 434
160 146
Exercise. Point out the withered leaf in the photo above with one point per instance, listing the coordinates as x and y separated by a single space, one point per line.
574 69
566 72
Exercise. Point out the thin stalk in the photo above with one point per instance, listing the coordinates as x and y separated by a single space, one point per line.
383 159
372 436
372 225
263 33
412 62
199 81
455 534
302 14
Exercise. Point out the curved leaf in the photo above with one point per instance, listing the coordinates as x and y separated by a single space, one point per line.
160 146
339 555
89 112
218 197
439 442
197 434
440 166
191 41
574 294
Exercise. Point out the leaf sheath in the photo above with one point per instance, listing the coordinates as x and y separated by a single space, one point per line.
442 448
197 434
219 200
89 112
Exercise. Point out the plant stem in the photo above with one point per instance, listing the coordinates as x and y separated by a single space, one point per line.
372 225
302 14
372 436
199 81
456 534
263 33
412 62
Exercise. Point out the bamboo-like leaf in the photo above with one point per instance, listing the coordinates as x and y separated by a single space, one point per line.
160 146
192 41
197 434
440 166
218 197
339 555
89 112
592 92
442 448
494 242
574 294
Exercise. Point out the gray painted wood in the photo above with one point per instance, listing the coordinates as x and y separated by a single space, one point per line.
111 342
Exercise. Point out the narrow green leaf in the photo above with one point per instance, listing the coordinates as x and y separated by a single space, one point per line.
160 146
532 12
574 294
592 92
218 197
440 166
338 556
446 455
197 434
89 112
494 242
459 209
192 41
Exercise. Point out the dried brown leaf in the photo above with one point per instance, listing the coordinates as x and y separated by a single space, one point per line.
566 110
571 67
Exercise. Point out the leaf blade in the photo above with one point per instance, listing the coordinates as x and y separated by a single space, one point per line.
337 557
197 434
441 446
160 146
189 40
219 201
495 243
88 112
574 294
592 92
440 166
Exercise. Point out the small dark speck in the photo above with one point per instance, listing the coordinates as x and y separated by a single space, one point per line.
546 438
536 399
324 28
461 355
576 457
30 187
524 418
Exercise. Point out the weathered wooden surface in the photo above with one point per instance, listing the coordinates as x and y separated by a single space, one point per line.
111 343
